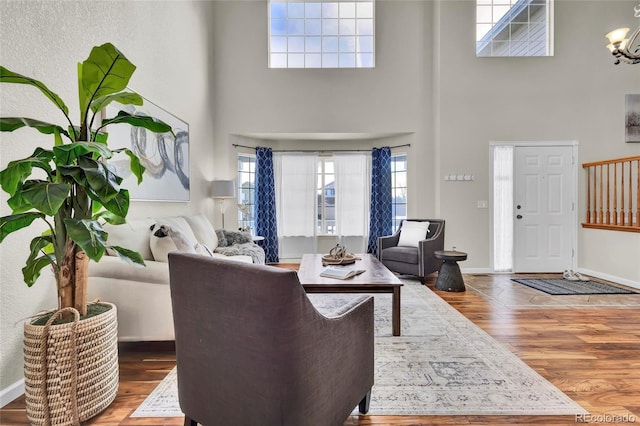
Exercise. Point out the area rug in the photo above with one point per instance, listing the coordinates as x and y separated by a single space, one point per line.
567 287
442 364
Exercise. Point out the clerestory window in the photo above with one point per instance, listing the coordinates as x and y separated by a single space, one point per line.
321 34
514 27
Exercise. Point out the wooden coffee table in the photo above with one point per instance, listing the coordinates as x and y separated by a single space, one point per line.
376 279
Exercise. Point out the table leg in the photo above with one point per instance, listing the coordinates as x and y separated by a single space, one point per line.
395 311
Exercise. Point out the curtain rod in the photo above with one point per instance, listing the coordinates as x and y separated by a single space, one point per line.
235 145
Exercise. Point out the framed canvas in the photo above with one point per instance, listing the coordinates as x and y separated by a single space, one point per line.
165 157
632 118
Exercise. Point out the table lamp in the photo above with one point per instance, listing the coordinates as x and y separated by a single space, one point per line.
222 189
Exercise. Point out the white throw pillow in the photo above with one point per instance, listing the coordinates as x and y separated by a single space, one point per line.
160 247
412 232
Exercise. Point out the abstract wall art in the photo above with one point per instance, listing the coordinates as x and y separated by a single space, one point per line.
165 157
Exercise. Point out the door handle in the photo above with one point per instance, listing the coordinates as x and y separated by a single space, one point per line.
519 216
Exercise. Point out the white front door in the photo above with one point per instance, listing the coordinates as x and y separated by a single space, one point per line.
544 202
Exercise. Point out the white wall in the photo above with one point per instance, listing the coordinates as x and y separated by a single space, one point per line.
45 40
576 95
394 97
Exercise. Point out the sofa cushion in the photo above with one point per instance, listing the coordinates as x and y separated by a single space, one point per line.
411 233
115 268
203 231
400 254
133 235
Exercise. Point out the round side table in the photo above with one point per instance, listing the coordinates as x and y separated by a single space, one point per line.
449 276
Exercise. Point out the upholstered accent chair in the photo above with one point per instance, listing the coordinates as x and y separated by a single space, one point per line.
415 260
252 350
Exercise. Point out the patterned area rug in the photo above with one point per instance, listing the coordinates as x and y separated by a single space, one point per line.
566 287
443 364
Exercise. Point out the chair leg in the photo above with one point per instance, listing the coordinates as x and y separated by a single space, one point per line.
363 407
188 421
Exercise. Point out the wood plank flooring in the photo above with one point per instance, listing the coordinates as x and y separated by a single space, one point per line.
591 353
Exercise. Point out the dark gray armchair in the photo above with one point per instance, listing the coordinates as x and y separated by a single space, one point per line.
252 350
418 261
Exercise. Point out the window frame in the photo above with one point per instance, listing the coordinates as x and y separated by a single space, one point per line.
324 44
397 176
241 191
322 227
504 37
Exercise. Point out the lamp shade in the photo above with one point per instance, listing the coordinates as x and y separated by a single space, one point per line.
616 36
223 189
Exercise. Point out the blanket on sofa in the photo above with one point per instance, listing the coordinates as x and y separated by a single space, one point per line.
233 243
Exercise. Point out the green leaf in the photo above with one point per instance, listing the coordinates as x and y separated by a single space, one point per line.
124 98
31 271
102 178
118 205
39 244
129 256
7 76
139 120
68 153
9 124
81 203
109 217
17 171
18 204
104 72
46 197
88 235
12 223
136 166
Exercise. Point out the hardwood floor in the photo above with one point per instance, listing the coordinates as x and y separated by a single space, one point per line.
592 353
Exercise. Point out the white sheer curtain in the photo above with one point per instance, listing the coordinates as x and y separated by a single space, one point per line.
295 180
502 208
353 180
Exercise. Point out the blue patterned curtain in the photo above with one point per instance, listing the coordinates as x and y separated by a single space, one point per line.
380 216
265 199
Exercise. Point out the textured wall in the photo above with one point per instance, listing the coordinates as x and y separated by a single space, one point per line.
45 39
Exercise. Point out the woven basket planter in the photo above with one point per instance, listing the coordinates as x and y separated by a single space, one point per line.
71 370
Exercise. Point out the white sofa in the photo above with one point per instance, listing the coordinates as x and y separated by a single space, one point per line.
141 294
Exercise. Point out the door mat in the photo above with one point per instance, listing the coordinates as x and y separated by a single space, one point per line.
566 287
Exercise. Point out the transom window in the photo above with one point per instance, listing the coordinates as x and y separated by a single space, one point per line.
321 34
514 27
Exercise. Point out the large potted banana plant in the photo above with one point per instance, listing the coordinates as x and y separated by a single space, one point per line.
71 362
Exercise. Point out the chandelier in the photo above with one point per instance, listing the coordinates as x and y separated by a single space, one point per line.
623 48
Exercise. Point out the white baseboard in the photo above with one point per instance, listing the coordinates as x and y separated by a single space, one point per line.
612 278
11 392
476 270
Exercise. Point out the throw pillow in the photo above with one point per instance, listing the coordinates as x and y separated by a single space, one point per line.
165 239
411 233
203 230
160 247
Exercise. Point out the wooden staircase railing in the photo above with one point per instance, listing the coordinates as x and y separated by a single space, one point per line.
613 194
